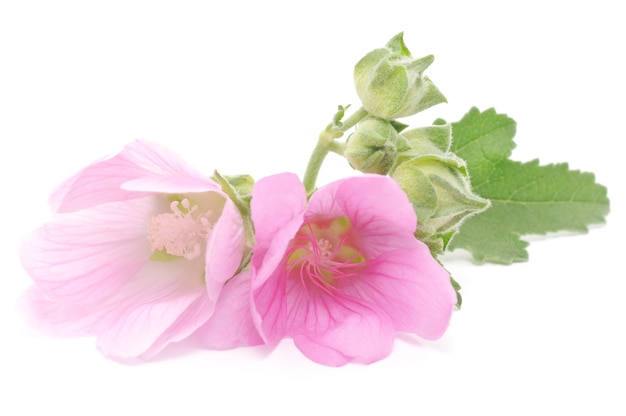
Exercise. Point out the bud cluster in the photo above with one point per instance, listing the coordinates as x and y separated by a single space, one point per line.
391 84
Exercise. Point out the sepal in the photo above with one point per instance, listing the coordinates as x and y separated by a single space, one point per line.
391 84
374 146
238 188
438 185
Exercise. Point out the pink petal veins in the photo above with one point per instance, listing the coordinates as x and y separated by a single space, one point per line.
231 324
102 181
344 273
136 255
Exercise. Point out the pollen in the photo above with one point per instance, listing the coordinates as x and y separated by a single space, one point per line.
182 232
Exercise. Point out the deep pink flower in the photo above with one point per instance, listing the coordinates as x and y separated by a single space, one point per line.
137 254
343 273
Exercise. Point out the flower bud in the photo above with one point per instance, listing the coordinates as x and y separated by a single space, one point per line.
390 83
437 184
373 147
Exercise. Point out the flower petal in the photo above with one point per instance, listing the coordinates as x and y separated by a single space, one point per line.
396 286
409 287
101 181
320 353
269 303
171 185
88 255
278 205
224 249
187 323
165 302
333 330
275 197
63 318
231 324
378 209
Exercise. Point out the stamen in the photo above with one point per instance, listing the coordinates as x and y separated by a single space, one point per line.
318 261
180 232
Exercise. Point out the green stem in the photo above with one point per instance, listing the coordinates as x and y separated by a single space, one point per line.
315 161
326 143
358 115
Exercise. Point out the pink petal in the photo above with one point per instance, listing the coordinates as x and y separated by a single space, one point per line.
345 344
378 209
320 353
409 287
224 249
231 324
269 303
333 329
101 181
88 255
400 288
376 195
276 200
188 322
165 302
171 185
278 204
63 318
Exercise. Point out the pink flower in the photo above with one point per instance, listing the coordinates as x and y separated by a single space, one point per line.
137 254
343 273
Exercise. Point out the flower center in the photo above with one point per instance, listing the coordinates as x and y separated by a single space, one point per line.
179 233
321 254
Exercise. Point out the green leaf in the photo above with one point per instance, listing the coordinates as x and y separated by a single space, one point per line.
485 137
527 198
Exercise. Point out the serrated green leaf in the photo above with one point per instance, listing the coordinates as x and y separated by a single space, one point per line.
483 137
526 198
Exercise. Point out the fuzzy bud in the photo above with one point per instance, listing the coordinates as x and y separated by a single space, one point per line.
373 147
390 83
437 184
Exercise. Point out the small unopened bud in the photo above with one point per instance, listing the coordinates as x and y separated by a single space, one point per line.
373 147
437 184
390 83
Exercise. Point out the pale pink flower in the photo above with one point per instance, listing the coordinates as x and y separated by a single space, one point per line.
343 273
137 254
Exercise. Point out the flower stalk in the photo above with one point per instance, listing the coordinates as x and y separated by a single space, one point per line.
327 143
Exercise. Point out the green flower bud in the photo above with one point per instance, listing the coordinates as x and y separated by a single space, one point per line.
437 184
390 83
373 147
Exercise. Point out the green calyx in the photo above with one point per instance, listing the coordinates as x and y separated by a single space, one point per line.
437 184
374 146
391 84
238 188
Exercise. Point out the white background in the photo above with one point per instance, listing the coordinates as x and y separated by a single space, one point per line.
245 87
